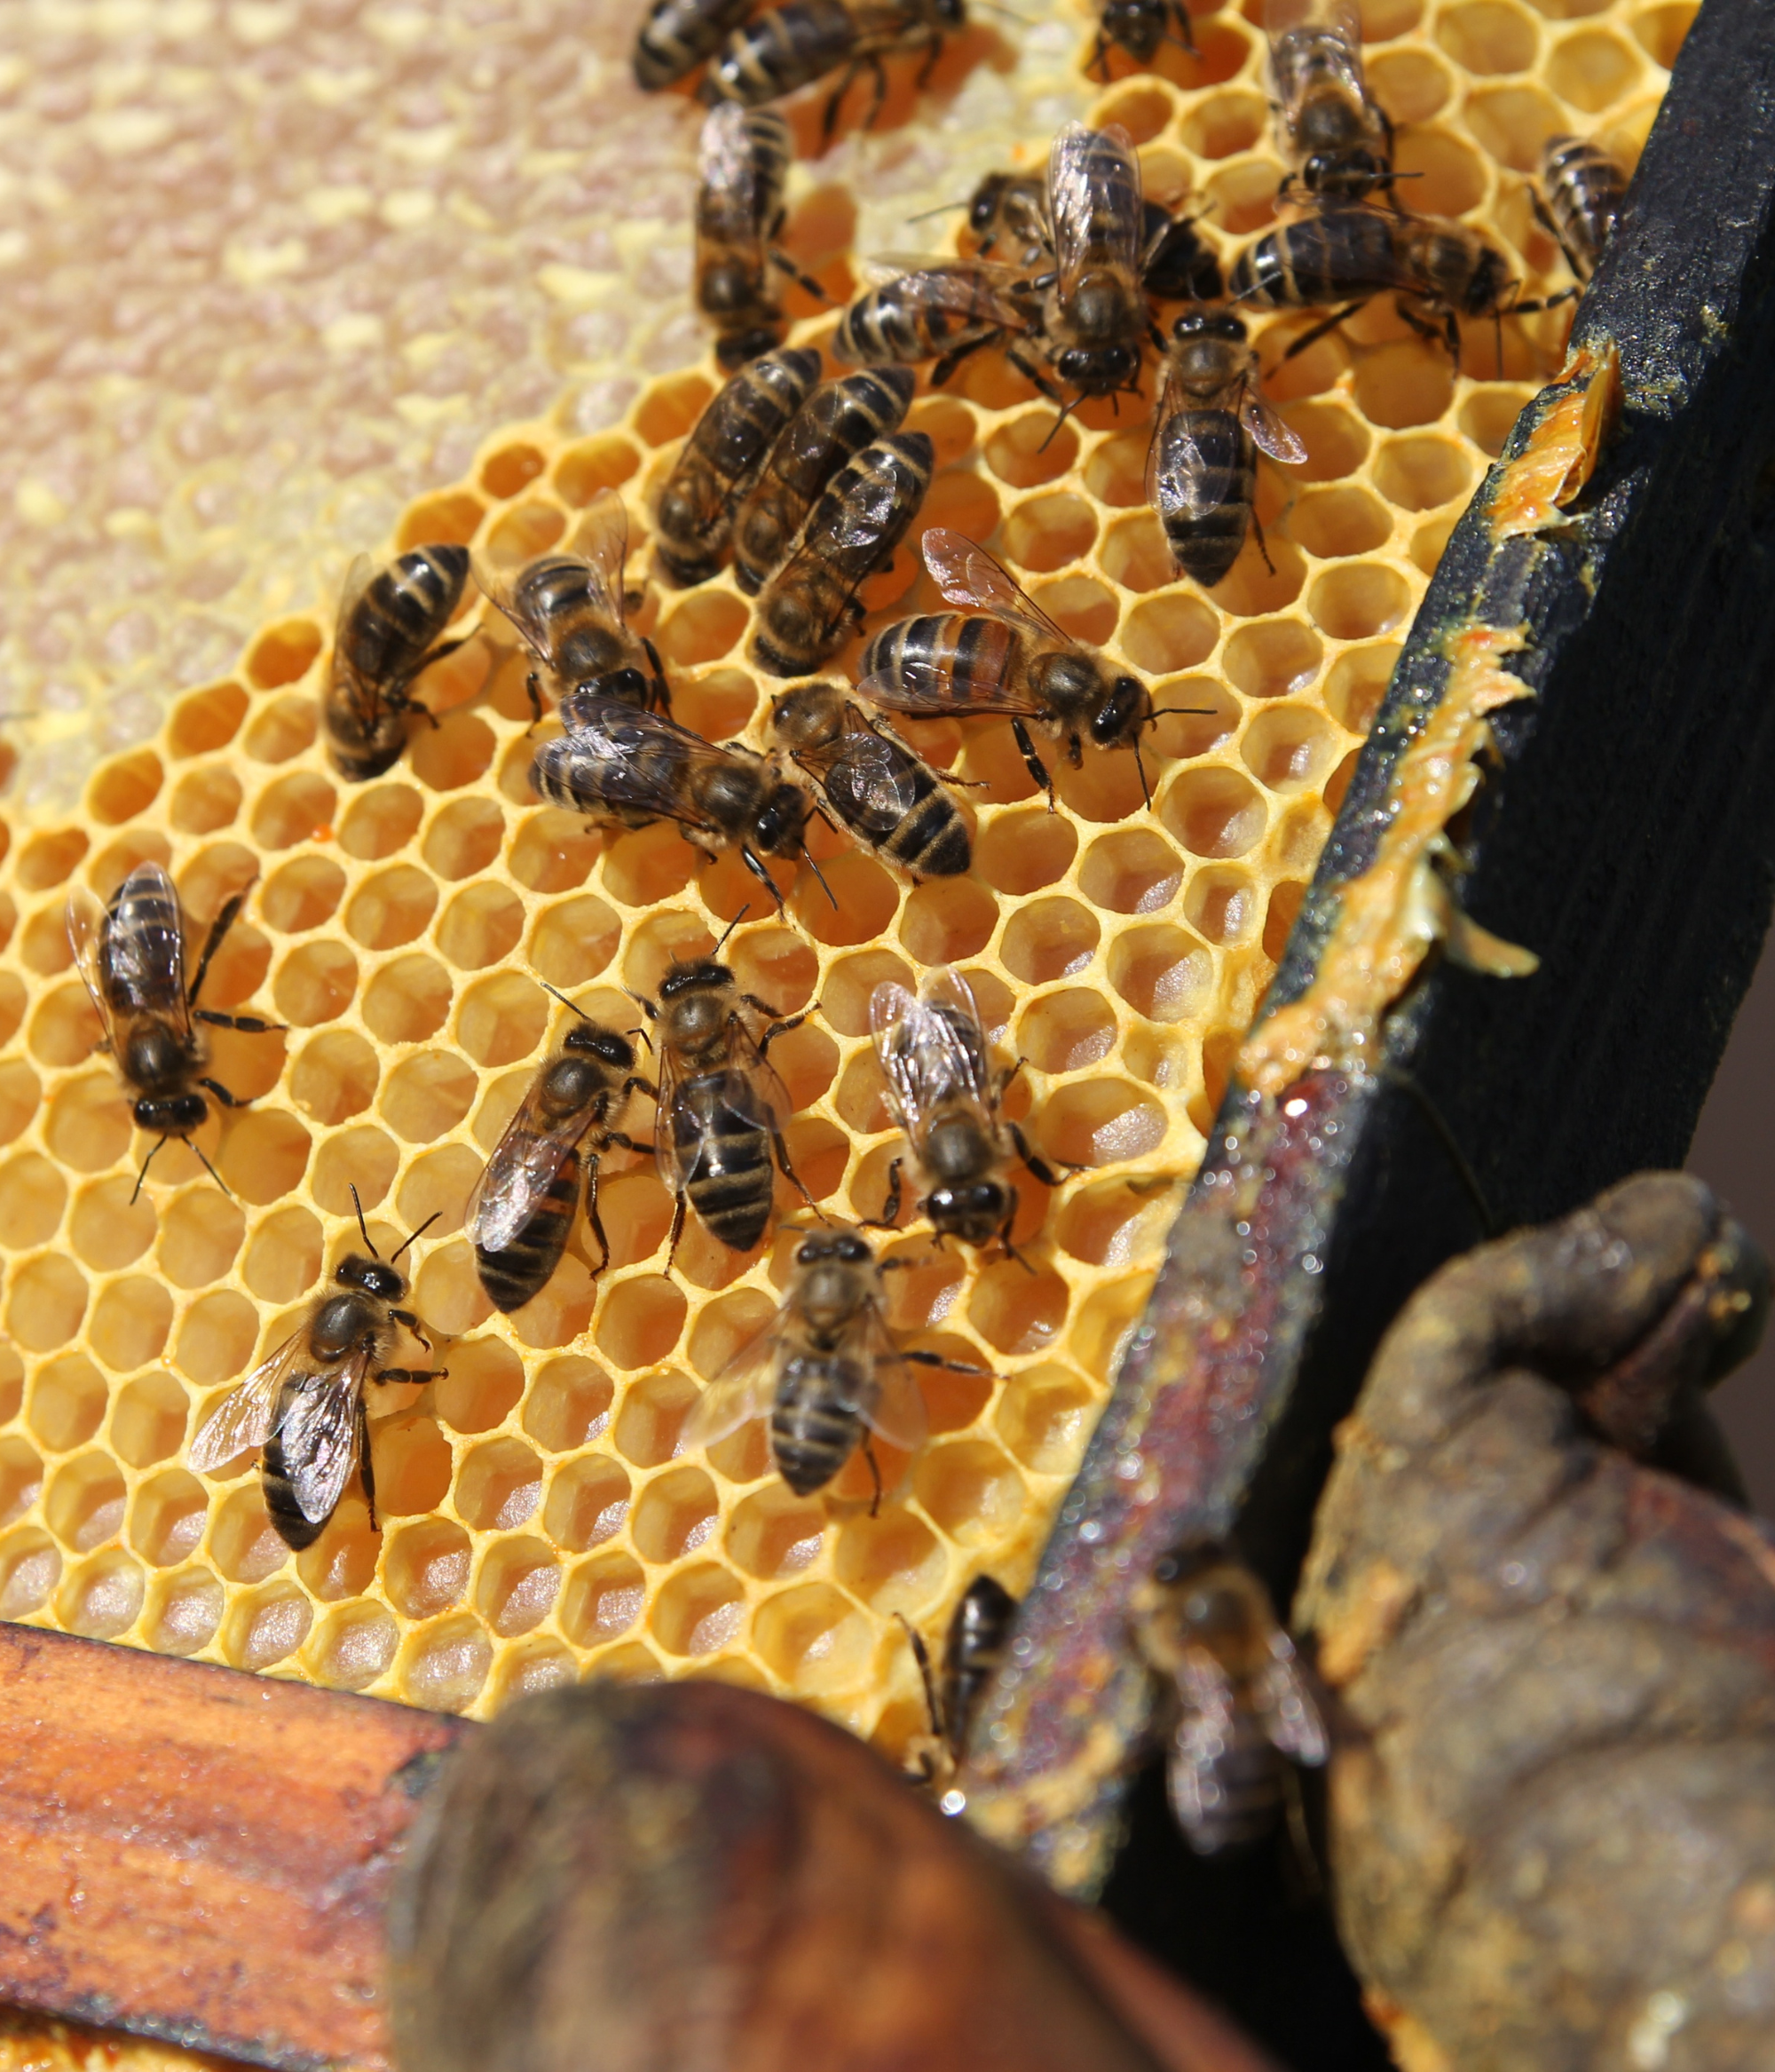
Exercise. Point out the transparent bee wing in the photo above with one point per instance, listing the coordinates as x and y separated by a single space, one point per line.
743 1390
981 288
359 577
1339 40
86 936
522 1170
1207 1705
948 997
142 946
1291 1716
1189 479
622 756
883 776
930 1048
1271 434
728 198
601 540
892 1402
1093 200
921 686
320 1435
247 1416
973 581
665 1150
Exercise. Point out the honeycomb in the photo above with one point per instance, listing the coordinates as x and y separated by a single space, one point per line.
540 1521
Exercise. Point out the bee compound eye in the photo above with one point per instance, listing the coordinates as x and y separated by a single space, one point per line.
853 1249
809 1253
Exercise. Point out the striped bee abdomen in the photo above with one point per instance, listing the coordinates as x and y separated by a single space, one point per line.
403 611
812 1431
782 50
1228 1787
1328 257
678 35
1206 530
971 654
930 837
721 1132
512 1274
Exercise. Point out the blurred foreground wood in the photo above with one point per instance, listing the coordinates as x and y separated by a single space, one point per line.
690 1878
1553 1802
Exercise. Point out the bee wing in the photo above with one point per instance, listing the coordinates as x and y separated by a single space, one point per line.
1078 164
918 687
973 581
320 1435
927 1056
1187 479
1340 17
85 935
629 758
521 1171
885 777
247 1416
601 540
892 1404
952 286
1291 1716
743 1390
1268 430
726 169
142 943
1207 1706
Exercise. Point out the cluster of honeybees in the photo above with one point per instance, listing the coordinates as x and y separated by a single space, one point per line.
809 484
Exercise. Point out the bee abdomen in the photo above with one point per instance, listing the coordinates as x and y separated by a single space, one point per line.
812 1433
1328 257
787 48
403 611
900 321
1206 538
1585 191
292 1527
524 1268
1237 1792
678 35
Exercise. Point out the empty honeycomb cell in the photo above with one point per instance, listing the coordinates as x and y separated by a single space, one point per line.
1143 108
1420 473
13 1001
702 628
243 1543
283 653
295 808
776 965
265 1626
201 1235
449 519
517 1585
861 1096
1080 605
1488 35
1337 441
587 1504
263 1155
1339 783
283 1260
1279 917
33 1195
1106 1321
353 1646
604 1598
45 1303
1405 384
342 1562
464 838
1273 658
87 1128
66 1402
204 801
593 464
1412 85
1169 633
675 1513
1241 198
1214 811
1428 542
115 862
1162 972
443 1666
1116 472
725 1327
1488 416
511 469
483 1386
970 1489
1134 871
363 1157
481 926
48 860
203 721
573 942
1358 682
650 1416
1066 1032
1448 177
812 1636
894 1563
1512 123
856 904
124 788
849 983
1333 523
407 1001
648 866
568 1405
500 1485
302 895
457 751
1136 554
1357 602
380 821
1592 70
216 1337
425 1567
1224 123
282 730
554 852
1116 1221
129 1323
1101 1122
1288 746
1221 904
335 1077
717 704
447 1292
1050 939
1027 451
391 908
775 1533
45 945
183 1612
21 1479
638 1324
968 503
31 1566
102 1598
947 919
1047 1419
671 408
1048 532
820 1154
1660 31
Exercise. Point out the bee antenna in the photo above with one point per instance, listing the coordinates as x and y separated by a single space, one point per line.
941 208
1160 711
1146 788
815 868
731 925
646 1006
362 1225
566 1003
411 1234
1066 411
149 1160
204 1162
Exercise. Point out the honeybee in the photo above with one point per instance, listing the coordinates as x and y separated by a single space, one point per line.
1175 265
1583 189
130 954
1094 321
836 421
1242 1706
792 45
627 768
744 166
940 312
1201 467
521 1212
569 609
1436 271
1012 207
1013 661
720 1103
1138 26
809 606
1336 139
385 635
723 457
973 1648
943 1093
678 35
826 1372
873 783
304 1406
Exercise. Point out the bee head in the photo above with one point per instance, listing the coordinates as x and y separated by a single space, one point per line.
1209 323
699 974
972 1212
843 1245
374 1277
1099 368
1214 1593
778 827
603 1044
171 1114
1123 714
983 205
806 716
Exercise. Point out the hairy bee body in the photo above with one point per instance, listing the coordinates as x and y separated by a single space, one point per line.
678 35
727 448
388 627
1094 319
1335 136
835 422
743 171
1584 189
1010 210
807 608
934 312
815 1427
720 1141
792 45
353 1321
973 1649
873 784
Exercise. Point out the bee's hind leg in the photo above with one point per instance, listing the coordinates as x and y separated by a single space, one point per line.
890 1207
874 1475
225 920
1032 762
366 1466
221 1094
794 1177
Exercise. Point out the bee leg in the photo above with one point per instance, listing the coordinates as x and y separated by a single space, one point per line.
221 1094
792 1178
407 1318
366 1466
593 1218
535 694
890 1207
1180 14
1032 762
785 264
218 928
874 1475
779 1026
937 1360
678 1206
420 1374
1032 373
953 358
1034 1160
922 1654
761 874
146 1162
1011 1251
1319 331
661 698
933 51
1263 544
249 1024
1100 55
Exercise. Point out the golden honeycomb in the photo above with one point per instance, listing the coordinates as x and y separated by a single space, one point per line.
540 1521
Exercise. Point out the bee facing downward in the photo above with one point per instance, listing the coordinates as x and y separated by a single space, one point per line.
385 635
304 1406
1242 1708
743 165
826 1372
132 955
973 1648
